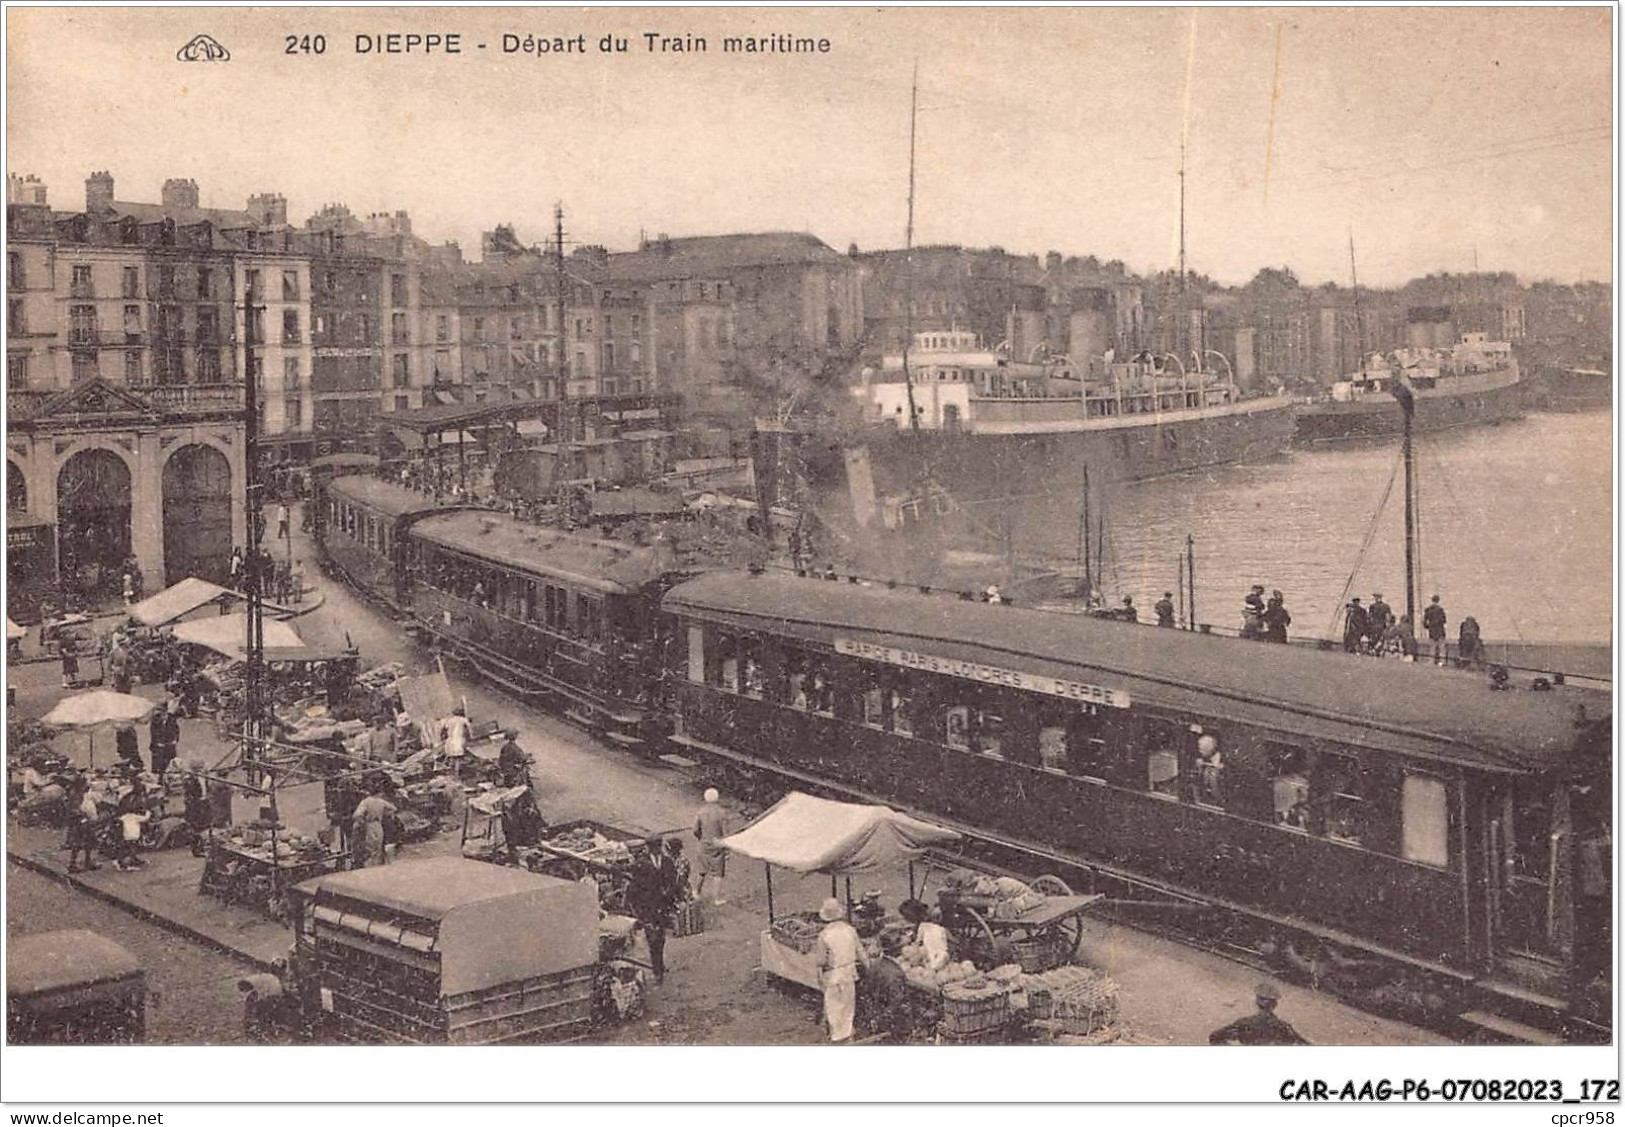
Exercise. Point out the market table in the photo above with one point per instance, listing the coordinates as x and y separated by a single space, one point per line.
245 874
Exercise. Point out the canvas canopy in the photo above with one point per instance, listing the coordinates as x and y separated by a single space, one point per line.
178 601
814 835
226 634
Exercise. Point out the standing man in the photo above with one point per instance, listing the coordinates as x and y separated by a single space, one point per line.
164 735
651 897
382 746
1165 610
84 817
838 954
282 520
1261 1028
1433 620
367 827
1356 624
512 762
118 665
1378 617
710 827
128 746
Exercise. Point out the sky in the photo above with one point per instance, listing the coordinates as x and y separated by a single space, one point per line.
1434 137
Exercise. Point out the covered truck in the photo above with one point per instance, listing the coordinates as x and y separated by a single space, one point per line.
445 951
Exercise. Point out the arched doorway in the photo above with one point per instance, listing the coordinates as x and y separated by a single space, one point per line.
197 515
16 488
93 521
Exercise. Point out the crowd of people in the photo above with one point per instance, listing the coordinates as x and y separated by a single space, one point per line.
1374 630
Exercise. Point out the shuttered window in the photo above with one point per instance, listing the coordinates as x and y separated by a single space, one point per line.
1425 821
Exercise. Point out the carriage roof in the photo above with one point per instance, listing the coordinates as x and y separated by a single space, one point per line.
1446 715
383 497
607 566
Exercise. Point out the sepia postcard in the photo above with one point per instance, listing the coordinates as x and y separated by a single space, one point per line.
1026 531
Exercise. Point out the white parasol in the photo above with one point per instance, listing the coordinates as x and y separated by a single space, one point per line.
91 710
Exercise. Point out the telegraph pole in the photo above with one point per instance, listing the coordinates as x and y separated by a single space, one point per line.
254 697
566 428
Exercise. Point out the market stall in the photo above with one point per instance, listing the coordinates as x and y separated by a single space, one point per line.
814 835
189 597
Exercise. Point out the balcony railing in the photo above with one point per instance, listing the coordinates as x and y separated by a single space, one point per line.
82 290
103 338
195 399
291 337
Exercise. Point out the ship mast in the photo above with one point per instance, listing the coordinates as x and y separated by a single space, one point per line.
1359 321
908 254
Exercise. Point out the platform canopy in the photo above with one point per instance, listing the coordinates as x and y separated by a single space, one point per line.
180 600
227 634
814 835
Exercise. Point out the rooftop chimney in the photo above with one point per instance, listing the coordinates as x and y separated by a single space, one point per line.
179 194
99 192
26 190
268 209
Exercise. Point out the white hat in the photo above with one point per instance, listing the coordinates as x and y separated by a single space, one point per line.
711 795
831 911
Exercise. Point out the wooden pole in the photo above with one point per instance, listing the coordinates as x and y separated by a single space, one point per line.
769 869
1190 574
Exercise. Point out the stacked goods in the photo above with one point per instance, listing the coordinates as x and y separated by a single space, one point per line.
976 1005
1076 1000
798 932
1005 898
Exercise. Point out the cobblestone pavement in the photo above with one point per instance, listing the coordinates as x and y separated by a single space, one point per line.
192 990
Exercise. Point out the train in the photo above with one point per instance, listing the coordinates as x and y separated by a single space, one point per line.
1432 840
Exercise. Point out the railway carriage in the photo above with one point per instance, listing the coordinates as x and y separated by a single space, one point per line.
360 525
545 613
1377 813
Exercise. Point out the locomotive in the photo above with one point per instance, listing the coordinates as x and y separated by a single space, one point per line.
1393 830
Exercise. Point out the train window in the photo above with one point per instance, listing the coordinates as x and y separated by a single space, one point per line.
750 659
987 732
554 606
592 618
796 683
874 706
1209 771
530 600
1162 761
1338 783
820 689
1291 782
1086 745
1052 749
956 727
1424 821
902 714
727 664
696 651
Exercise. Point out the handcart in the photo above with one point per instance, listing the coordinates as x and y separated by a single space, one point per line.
1040 939
610 868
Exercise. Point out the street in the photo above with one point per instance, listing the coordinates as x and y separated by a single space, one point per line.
192 994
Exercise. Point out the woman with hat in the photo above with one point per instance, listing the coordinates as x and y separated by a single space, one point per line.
838 954
512 762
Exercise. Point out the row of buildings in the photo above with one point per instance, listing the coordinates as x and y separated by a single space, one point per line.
133 328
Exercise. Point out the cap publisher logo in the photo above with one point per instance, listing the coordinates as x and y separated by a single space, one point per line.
203 49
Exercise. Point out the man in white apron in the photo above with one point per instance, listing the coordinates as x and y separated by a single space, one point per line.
838 954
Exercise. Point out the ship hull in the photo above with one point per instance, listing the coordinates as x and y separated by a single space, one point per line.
1381 416
972 464
1561 390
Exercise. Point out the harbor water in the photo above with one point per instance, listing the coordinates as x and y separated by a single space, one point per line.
1515 529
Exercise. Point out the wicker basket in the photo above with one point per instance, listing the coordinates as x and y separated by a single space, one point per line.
1086 1006
1041 952
966 1013
688 920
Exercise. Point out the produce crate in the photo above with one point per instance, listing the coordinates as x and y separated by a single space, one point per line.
688 920
1042 952
1086 1006
969 1012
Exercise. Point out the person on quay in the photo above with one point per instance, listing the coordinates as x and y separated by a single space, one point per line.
196 806
164 735
680 866
1433 621
1252 613
710 827
1469 643
1165 610
651 897
128 746
884 995
929 934
382 747
70 662
118 665
85 818
1356 624
838 954
1379 617
454 733
367 826
282 520
1260 1028
1128 612
1276 619
513 765
236 572
132 814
